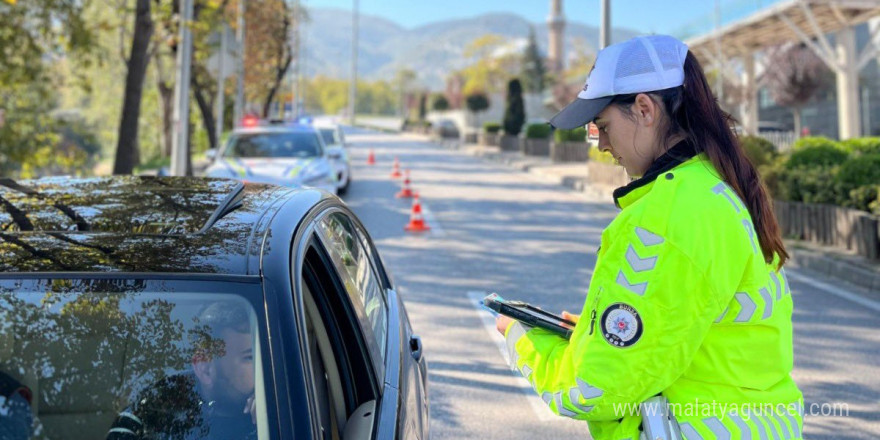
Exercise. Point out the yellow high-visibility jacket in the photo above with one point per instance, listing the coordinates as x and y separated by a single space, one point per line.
681 303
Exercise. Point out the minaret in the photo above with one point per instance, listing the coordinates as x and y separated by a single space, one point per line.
556 27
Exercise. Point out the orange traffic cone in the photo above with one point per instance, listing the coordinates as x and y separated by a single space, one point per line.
371 159
395 170
416 221
406 192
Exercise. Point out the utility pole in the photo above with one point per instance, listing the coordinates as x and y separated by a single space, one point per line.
221 81
179 146
239 89
352 88
303 72
604 24
295 88
719 78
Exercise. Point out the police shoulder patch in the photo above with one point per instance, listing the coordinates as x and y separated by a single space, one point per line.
621 325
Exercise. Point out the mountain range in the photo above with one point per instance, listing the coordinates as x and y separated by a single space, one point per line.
432 51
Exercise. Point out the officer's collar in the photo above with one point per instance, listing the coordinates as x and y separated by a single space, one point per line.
673 157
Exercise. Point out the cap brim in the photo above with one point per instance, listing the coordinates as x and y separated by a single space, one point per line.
579 112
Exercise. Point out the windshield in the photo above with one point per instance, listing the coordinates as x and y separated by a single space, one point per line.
90 358
330 136
280 144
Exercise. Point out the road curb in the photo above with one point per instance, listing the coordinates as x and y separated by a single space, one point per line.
851 270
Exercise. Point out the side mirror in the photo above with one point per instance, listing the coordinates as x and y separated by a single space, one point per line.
360 424
211 154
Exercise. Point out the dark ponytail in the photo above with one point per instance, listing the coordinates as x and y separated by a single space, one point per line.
694 113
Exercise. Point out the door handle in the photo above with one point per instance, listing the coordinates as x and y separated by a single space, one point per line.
415 346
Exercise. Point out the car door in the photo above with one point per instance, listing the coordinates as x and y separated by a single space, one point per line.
354 334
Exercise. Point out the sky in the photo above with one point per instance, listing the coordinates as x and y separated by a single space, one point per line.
681 18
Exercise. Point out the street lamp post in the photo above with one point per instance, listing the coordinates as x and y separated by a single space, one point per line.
239 88
179 150
294 77
352 88
221 81
605 24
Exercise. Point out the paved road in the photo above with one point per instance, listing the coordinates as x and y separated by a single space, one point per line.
501 230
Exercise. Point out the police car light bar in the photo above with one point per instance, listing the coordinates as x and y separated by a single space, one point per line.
250 121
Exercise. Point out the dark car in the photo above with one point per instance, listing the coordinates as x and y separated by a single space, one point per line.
445 128
148 307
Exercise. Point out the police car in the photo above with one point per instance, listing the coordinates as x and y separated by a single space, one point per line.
277 152
334 140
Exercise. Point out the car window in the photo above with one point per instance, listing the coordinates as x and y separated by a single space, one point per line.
274 145
353 264
91 363
330 136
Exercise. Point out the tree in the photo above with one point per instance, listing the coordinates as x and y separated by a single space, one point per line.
423 106
32 140
477 102
440 103
269 52
403 80
126 144
31 32
490 69
533 70
515 112
796 75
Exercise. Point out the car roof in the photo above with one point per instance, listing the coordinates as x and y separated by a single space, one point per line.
139 224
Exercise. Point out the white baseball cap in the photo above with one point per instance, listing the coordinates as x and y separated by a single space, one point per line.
638 65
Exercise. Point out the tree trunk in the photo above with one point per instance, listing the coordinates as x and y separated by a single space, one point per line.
126 145
206 106
796 112
166 96
279 77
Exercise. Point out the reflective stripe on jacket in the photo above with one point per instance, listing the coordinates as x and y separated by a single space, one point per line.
682 303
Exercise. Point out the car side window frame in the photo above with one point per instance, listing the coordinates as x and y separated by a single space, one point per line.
377 353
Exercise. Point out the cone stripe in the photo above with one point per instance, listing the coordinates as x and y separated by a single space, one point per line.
416 221
406 192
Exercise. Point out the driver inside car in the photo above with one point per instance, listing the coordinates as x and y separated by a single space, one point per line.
215 400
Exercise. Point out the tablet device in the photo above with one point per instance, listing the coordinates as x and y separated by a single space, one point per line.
529 315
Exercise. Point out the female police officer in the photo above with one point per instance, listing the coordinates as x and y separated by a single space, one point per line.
688 298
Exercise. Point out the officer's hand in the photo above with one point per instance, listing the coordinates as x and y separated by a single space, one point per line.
501 323
571 317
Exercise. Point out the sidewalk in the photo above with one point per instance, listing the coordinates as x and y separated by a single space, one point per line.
808 257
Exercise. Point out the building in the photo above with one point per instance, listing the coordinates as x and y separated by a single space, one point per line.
556 36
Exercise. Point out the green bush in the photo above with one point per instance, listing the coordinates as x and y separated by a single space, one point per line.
859 171
866 145
865 198
574 135
491 127
602 157
771 174
819 155
810 185
515 111
538 131
814 141
759 150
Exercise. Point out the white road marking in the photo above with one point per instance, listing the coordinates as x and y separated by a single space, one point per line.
436 229
540 408
835 290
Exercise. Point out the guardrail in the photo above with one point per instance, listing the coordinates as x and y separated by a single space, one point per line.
830 225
